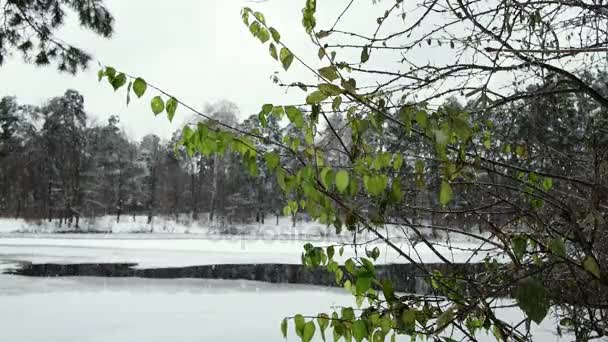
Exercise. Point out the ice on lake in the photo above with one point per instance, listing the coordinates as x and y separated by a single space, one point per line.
89 309
85 309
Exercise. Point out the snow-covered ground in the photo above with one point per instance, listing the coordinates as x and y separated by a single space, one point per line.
121 310
183 224
181 242
162 251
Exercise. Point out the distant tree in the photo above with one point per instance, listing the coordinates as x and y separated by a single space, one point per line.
65 139
225 112
115 172
151 156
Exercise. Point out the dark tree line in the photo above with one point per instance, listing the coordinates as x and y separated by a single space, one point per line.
56 165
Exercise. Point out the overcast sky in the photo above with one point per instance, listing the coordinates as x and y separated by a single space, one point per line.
200 51
196 49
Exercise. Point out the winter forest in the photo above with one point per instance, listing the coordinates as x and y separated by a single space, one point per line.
59 165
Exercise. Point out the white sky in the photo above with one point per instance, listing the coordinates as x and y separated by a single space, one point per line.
197 49
201 52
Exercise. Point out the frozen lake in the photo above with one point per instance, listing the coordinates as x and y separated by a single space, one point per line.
119 310
100 309
84 309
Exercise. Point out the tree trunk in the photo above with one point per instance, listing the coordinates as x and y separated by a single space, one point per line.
214 186
193 194
48 203
118 211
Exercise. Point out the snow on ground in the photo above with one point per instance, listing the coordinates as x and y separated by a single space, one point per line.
155 251
185 225
184 243
182 224
119 310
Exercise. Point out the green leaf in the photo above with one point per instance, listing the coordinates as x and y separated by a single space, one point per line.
299 324
286 58
273 51
365 54
460 125
327 175
276 36
375 185
100 75
171 107
263 35
339 275
364 282
398 162
245 15
590 264
330 73
158 105
260 17
330 89
308 332
532 298
409 320
519 243
139 87
284 327
267 108
558 247
547 183
342 180
487 141
421 119
396 193
118 81
348 314
254 28
445 193
278 112
388 290
321 53
110 72
308 15
272 160
316 97
330 252
323 321
359 330
349 265
295 115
